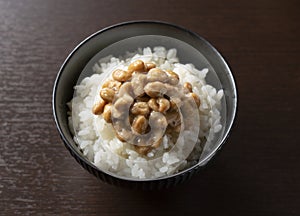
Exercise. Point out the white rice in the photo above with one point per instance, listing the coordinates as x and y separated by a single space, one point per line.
97 140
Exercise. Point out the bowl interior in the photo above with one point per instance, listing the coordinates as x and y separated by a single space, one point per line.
117 41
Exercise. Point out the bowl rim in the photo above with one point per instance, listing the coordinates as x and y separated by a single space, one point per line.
167 24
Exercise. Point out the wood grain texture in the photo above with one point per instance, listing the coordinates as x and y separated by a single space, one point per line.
257 173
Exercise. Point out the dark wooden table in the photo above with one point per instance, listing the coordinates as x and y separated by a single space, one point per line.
258 171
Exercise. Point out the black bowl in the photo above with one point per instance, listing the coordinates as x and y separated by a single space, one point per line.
128 37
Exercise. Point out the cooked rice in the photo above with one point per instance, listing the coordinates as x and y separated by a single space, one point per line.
96 138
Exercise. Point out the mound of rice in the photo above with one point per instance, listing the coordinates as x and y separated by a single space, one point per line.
97 140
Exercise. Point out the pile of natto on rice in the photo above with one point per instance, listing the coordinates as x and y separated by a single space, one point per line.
144 115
